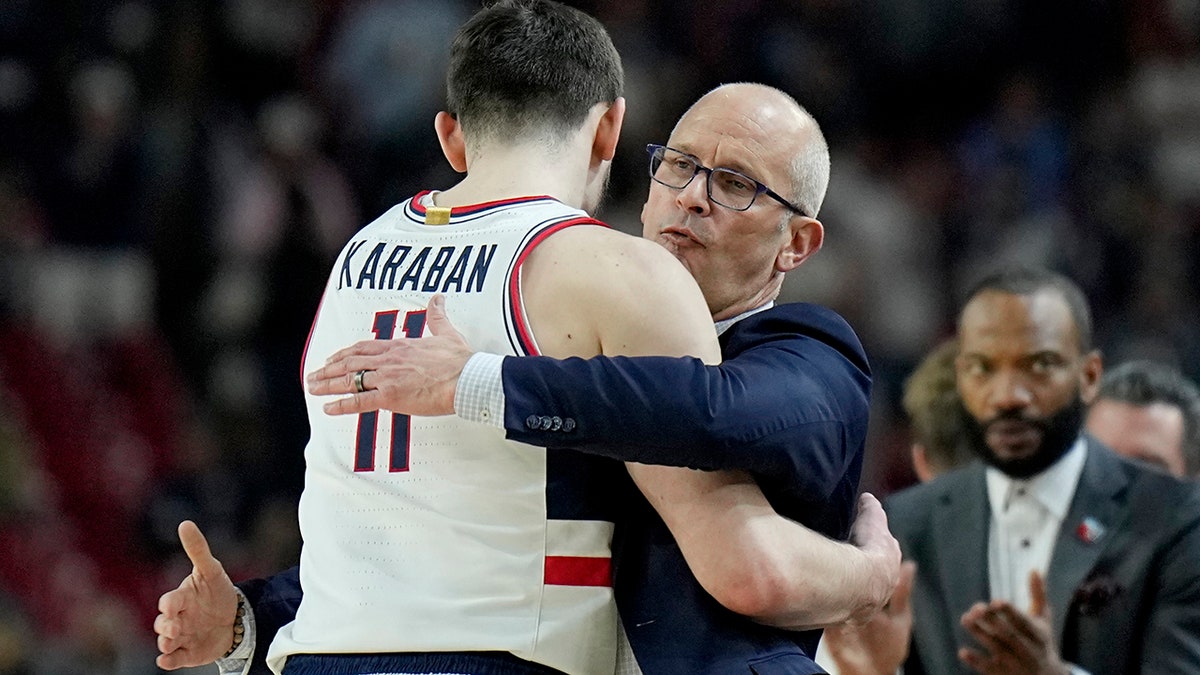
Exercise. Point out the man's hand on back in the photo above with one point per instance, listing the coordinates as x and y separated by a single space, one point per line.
409 376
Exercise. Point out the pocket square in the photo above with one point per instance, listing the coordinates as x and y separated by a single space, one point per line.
1095 594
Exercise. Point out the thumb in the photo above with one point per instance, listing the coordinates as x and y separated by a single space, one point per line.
196 548
1037 595
900 598
436 320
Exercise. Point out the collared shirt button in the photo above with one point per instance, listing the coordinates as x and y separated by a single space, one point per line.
568 424
545 423
485 414
555 423
533 422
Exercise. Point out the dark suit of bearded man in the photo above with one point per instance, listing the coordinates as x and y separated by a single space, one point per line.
1123 583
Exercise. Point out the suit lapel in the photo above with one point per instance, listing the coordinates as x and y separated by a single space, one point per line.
1086 530
961 523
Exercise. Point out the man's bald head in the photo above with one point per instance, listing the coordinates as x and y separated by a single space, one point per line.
780 125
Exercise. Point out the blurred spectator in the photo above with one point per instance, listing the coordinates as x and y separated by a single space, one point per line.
96 176
17 644
20 481
285 210
265 47
1014 170
97 643
1150 412
382 72
935 413
880 265
183 133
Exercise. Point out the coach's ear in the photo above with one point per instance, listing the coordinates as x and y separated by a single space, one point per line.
803 238
449 133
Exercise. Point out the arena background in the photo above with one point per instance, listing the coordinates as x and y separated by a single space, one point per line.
176 178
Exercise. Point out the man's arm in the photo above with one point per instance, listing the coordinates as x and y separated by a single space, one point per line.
763 565
748 413
274 601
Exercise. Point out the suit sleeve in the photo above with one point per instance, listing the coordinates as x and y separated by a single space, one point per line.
274 600
787 407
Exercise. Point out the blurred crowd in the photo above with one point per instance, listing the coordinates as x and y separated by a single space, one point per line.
176 179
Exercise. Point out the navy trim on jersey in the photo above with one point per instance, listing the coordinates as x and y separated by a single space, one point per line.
415 210
467 663
519 332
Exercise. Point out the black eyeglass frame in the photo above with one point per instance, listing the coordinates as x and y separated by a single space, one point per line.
653 148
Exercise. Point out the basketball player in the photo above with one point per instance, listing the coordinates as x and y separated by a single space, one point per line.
483 555
475 554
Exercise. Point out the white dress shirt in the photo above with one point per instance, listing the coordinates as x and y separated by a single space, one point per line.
1027 515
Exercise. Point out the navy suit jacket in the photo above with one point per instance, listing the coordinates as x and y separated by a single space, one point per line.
789 405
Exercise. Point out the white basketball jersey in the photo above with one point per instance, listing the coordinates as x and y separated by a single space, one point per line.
435 534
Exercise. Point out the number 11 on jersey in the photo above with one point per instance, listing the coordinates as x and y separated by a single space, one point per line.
368 423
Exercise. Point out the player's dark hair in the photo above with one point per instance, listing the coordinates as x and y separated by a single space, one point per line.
521 66
1144 383
1028 281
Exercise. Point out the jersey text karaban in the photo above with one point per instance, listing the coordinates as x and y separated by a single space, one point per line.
427 271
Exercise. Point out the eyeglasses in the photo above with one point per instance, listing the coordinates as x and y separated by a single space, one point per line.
726 187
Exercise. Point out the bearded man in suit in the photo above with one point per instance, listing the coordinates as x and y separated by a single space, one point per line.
1052 554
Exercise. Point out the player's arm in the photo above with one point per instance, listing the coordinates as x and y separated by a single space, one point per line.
591 291
751 559
757 563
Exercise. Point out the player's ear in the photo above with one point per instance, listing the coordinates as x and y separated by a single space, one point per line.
449 133
604 147
806 236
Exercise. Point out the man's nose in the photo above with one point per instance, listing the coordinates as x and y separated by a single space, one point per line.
693 197
1010 391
